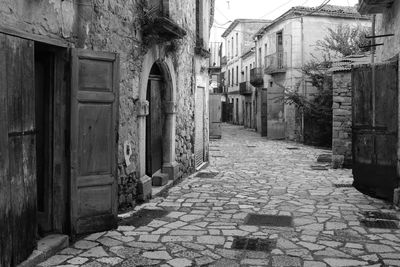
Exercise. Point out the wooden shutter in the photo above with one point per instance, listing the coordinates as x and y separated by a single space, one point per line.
215 115
94 129
17 150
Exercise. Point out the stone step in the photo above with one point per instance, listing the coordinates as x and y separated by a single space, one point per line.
46 248
159 179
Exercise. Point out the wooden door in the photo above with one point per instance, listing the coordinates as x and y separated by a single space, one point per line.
199 126
215 115
94 131
375 129
264 112
154 126
18 221
276 123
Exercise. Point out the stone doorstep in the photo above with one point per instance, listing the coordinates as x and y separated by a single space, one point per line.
46 247
159 179
202 166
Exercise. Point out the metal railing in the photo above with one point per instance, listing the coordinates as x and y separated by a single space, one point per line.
256 77
245 88
276 62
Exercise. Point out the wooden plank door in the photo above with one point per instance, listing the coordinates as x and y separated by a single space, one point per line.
94 129
215 115
154 126
199 126
18 222
264 112
375 129
276 123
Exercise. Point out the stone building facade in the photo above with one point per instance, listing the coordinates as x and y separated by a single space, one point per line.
237 42
282 49
142 40
342 109
341 120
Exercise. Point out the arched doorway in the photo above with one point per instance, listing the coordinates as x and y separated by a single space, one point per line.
155 121
158 71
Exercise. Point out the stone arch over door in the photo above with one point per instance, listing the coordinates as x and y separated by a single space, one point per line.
156 56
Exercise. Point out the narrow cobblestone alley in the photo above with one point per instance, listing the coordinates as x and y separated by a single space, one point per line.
207 216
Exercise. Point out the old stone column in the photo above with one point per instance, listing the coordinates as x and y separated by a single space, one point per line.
144 189
170 166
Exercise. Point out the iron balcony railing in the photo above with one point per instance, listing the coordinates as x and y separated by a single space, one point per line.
256 77
245 88
276 63
223 60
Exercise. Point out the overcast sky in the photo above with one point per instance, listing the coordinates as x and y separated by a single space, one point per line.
228 10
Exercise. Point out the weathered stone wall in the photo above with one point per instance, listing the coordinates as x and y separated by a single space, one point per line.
387 23
342 120
115 26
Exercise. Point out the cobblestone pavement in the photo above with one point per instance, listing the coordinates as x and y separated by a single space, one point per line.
259 176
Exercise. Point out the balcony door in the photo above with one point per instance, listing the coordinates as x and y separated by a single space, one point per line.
279 50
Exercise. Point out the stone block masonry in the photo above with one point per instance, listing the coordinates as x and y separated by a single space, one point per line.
116 26
342 119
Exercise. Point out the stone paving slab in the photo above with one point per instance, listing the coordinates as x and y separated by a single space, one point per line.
258 176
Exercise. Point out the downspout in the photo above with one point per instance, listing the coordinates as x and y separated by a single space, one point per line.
374 159
302 77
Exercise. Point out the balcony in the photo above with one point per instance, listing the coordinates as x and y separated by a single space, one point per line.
223 61
157 24
373 6
245 88
276 63
256 77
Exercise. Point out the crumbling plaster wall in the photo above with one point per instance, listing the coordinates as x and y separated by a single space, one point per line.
387 23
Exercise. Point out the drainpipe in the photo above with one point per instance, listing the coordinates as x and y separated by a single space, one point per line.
374 160
302 76
373 70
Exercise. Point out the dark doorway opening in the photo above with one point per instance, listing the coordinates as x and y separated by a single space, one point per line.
44 88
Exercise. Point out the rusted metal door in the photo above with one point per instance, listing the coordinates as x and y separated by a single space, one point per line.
154 126
199 126
94 131
215 115
276 122
375 128
18 221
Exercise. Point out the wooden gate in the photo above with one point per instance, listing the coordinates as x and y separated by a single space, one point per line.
154 126
18 219
375 128
199 127
276 122
215 115
94 128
